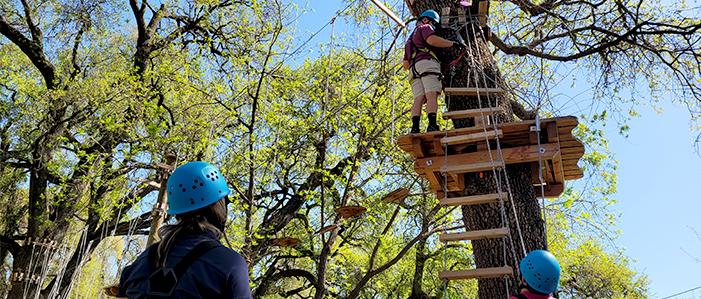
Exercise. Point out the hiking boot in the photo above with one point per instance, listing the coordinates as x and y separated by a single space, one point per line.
432 127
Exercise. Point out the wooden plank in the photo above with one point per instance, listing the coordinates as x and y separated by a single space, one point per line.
558 171
551 190
573 155
397 195
474 199
552 133
475 235
478 273
418 149
472 91
483 12
520 154
472 113
438 147
467 168
469 138
574 174
433 181
389 13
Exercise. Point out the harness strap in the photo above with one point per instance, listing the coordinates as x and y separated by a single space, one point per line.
163 280
414 49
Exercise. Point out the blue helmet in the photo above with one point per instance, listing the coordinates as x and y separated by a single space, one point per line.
541 271
431 14
193 186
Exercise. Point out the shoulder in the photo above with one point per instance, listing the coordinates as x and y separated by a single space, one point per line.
426 28
225 259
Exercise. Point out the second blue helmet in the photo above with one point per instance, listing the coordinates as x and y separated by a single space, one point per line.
541 271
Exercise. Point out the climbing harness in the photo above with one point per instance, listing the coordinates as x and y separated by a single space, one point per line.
163 280
415 51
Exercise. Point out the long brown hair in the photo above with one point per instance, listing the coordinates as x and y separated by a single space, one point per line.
208 219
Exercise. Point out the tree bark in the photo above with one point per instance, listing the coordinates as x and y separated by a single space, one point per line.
478 69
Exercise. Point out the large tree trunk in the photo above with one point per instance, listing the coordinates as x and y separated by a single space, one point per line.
478 68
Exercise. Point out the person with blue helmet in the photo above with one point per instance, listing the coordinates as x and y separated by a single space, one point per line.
425 67
540 276
189 261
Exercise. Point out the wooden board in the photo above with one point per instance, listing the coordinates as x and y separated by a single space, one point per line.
472 113
468 168
389 13
483 12
397 195
470 138
472 91
475 235
478 273
474 199
512 155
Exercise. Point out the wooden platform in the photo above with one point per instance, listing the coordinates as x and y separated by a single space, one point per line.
559 151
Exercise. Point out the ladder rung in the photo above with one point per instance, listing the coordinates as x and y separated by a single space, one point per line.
475 235
471 113
474 167
462 139
471 91
477 273
473 200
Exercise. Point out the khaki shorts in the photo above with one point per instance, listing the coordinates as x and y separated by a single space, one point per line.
419 86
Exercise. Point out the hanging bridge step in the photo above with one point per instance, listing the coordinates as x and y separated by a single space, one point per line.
471 113
472 91
475 235
462 139
474 200
474 167
478 273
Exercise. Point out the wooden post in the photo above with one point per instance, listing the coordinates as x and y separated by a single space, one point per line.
158 213
389 13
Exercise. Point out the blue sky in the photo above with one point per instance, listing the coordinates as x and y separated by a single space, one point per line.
659 174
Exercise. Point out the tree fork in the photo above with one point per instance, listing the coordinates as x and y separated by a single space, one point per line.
478 69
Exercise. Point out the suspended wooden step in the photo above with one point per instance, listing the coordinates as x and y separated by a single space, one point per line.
397 196
467 168
327 229
475 235
285 242
472 91
478 273
350 211
474 200
470 138
472 113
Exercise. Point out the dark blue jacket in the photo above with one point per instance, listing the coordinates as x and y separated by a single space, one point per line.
219 273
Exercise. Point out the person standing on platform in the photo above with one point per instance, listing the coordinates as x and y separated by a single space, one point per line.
425 67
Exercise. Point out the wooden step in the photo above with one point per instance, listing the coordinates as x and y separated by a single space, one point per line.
473 200
467 168
475 235
474 137
478 273
472 91
471 113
